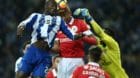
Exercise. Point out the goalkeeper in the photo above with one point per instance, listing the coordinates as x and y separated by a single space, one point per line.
110 59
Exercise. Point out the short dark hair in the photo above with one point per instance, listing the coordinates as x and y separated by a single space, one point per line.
50 7
95 53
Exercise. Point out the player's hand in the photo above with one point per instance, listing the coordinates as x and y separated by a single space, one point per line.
20 31
83 12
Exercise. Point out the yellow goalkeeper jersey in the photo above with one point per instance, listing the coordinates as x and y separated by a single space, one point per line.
110 59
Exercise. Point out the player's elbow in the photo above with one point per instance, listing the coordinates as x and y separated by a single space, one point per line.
90 40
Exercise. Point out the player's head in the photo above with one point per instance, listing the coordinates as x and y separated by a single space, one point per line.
25 46
94 53
64 12
50 7
55 60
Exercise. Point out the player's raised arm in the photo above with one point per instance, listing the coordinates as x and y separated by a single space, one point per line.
107 39
89 37
95 26
26 24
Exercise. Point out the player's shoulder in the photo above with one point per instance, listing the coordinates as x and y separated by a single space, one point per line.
80 67
55 17
36 14
59 20
33 14
80 23
79 20
58 17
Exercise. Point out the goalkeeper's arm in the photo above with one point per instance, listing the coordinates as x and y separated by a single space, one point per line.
94 25
108 40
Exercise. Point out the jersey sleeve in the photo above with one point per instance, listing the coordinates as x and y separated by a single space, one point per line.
49 74
90 40
108 40
30 21
85 28
66 30
83 25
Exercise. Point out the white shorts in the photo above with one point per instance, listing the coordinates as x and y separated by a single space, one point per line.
67 65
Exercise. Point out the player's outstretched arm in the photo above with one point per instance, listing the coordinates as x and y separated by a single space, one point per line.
108 40
83 12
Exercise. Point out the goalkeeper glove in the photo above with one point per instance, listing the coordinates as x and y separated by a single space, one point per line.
83 12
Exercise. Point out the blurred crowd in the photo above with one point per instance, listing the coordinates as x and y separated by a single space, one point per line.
121 15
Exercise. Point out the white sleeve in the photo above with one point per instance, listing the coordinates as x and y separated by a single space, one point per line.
17 64
88 32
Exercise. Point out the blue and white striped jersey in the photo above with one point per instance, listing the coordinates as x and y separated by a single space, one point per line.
45 27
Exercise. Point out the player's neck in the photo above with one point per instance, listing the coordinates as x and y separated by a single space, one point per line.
68 19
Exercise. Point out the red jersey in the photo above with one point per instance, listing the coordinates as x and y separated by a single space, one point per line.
51 74
75 48
91 70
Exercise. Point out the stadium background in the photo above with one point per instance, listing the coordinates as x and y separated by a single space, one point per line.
121 15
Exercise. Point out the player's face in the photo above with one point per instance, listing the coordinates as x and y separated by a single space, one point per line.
65 12
51 7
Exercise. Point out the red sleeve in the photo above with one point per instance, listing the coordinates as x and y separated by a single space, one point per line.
76 72
90 40
83 26
107 75
50 75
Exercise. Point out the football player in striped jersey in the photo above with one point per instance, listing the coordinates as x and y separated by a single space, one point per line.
43 28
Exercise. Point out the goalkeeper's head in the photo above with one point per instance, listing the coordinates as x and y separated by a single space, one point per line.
94 54
50 7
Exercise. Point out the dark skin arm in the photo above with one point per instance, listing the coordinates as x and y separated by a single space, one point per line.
20 30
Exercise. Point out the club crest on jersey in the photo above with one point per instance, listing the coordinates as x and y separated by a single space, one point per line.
74 28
